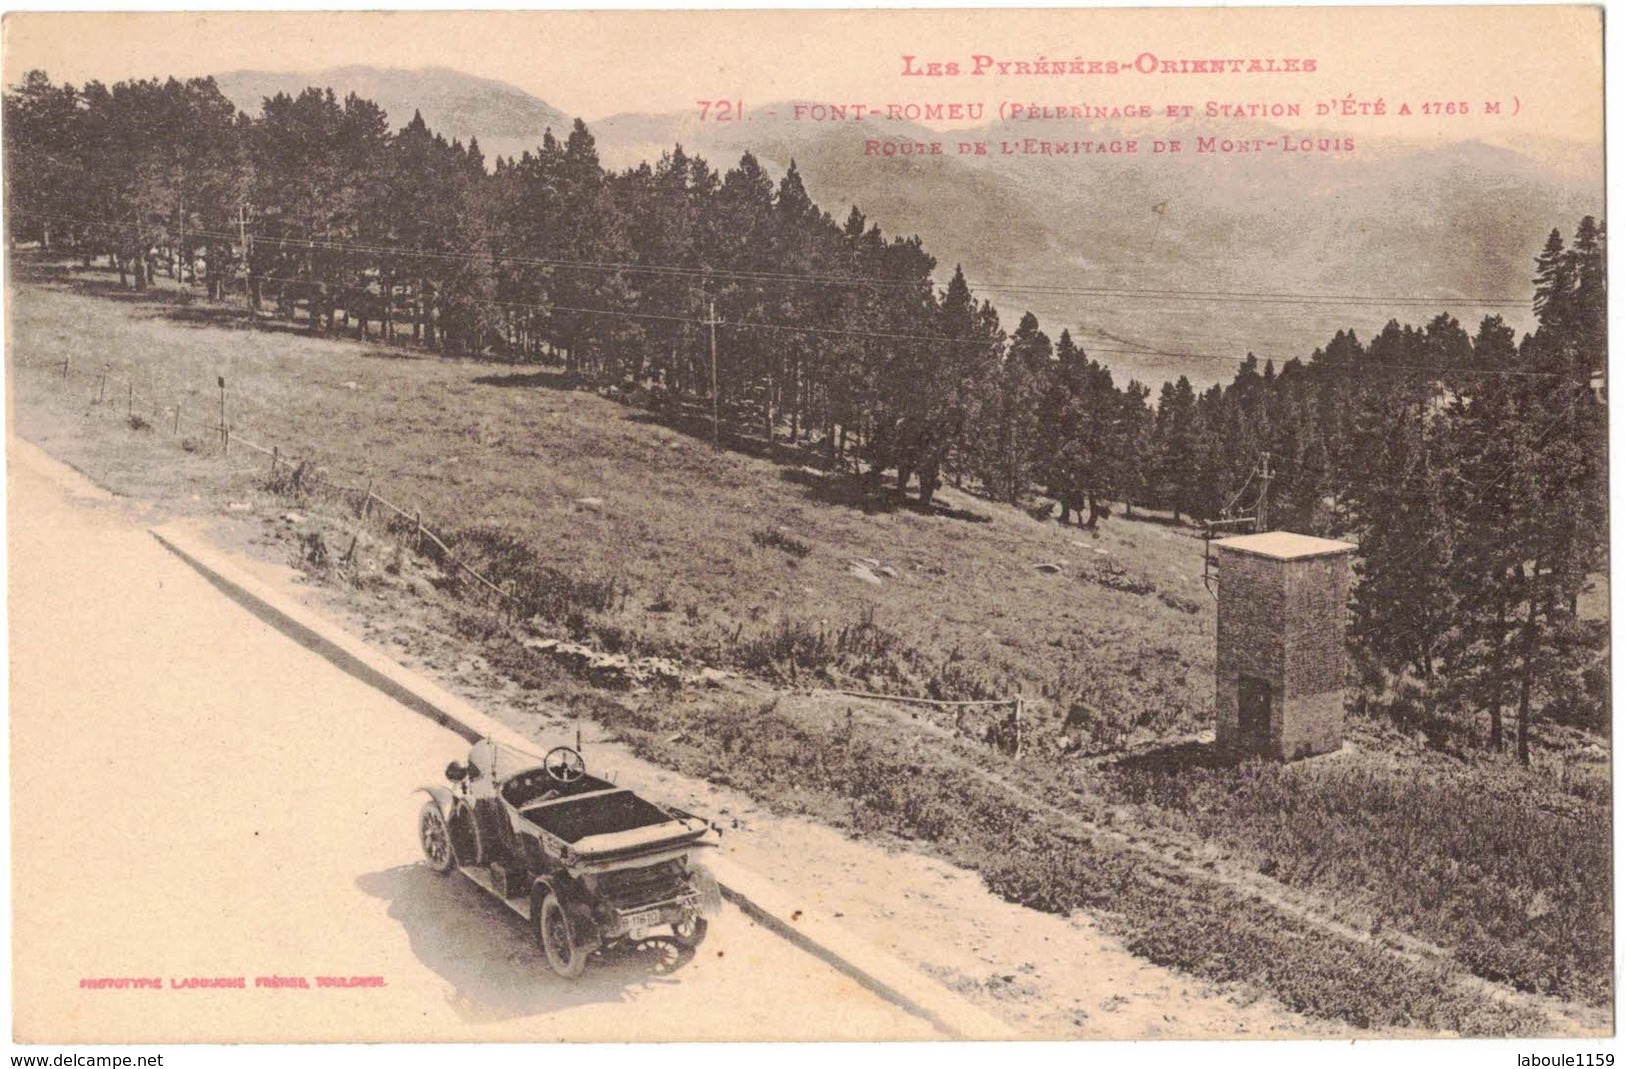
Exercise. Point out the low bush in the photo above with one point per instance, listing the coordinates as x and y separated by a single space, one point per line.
1179 602
772 538
296 480
877 782
535 589
313 551
1471 857
1113 576
862 653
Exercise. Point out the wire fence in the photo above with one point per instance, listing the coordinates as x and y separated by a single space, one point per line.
365 499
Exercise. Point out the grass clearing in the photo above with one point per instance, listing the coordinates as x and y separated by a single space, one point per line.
640 539
759 558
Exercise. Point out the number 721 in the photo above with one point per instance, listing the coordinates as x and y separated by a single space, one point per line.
721 110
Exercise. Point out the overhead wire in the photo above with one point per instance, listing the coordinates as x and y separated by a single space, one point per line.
765 276
499 260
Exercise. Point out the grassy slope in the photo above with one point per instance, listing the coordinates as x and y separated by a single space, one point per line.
1508 867
477 444
1515 893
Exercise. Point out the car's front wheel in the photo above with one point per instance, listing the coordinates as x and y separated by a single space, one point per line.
690 931
435 838
567 956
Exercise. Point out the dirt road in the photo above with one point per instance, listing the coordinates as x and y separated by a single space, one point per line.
197 797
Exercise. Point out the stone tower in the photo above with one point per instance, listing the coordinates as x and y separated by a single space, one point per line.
1282 605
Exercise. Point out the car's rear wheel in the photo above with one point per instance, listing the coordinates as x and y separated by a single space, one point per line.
435 838
566 956
690 931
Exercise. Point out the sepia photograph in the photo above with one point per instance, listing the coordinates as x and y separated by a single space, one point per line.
793 526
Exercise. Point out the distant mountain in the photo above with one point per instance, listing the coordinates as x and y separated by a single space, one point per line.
507 120
1391 218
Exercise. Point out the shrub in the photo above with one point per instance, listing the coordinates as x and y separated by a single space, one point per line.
294 480
862 653
537 590
771 538
1113 576
313 550
478 624
1027 854
1180 602
1479 859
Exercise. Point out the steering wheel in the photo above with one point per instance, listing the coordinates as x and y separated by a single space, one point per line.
564 765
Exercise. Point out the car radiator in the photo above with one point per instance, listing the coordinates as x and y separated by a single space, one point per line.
649 885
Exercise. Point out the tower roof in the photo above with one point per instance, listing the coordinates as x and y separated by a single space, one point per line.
1284 545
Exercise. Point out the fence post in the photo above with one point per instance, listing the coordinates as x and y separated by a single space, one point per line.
129 399
177 417
276 458
101 387
417 530
65 368
366 500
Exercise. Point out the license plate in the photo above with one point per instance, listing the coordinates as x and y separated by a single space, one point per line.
647 919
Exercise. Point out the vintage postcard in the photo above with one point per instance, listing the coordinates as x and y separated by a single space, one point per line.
808 525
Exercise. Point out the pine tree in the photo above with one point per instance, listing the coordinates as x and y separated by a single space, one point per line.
1175 447
1010 428
1403 603
1554 282
1589 258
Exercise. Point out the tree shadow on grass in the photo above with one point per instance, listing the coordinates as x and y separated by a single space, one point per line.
694 421
1175 759
871 496
97 282
544 379
214 316
492 961
194 309
1156 519
690 419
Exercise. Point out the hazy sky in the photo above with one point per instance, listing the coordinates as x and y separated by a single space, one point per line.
597 64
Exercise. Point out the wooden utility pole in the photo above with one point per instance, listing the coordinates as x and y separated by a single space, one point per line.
225 431
716 420
1263 510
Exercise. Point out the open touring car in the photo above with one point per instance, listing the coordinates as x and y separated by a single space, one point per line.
590 865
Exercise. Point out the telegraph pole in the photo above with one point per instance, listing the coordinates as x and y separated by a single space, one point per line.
716 422
242 235
1263 510
180 251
